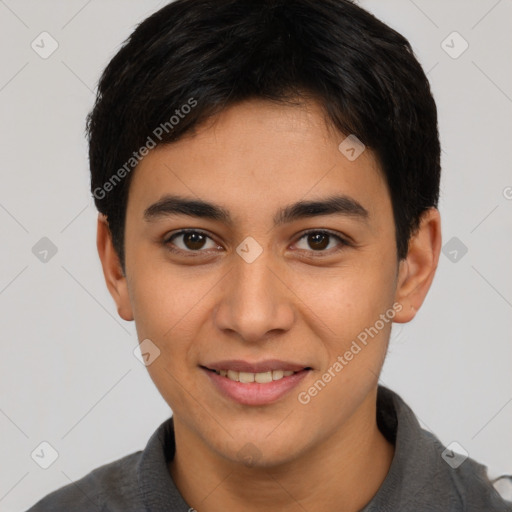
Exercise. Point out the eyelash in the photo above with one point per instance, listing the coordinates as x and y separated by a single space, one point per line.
317 254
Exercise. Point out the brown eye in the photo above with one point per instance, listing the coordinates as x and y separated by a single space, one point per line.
194 241
191 241
319 241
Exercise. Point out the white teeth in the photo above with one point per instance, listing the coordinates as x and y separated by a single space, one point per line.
232 375
263 378
247 377
277 374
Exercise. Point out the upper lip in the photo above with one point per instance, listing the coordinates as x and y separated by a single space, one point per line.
268 365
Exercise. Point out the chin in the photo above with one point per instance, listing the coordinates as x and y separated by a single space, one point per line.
260 451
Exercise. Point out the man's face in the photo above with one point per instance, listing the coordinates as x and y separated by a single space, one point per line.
252 294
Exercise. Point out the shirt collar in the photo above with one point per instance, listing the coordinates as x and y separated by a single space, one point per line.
416 459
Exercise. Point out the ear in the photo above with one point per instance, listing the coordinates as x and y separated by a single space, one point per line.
417 270
114 276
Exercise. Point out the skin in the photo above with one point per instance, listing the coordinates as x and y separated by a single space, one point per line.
288 304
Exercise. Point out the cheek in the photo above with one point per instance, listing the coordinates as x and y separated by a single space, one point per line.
358 310
164 301
160 293
167 307
344 301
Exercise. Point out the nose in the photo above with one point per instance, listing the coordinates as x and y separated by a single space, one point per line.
256 303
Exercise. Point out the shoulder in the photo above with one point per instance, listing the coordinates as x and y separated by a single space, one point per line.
462 483
112 486
425 474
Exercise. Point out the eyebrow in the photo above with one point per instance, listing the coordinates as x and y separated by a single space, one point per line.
171 205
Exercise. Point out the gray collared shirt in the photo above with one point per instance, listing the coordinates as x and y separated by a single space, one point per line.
420 477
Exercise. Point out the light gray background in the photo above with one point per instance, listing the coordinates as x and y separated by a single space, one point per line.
68 375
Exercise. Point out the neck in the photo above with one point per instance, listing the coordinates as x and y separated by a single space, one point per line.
344 472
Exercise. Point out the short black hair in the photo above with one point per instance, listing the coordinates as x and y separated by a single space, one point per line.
193 58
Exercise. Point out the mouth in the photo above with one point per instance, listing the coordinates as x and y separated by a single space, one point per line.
248 377
255 384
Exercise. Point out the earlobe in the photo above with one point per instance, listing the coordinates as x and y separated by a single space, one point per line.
417 270
112 271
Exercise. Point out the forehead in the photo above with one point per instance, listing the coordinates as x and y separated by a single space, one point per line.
257 155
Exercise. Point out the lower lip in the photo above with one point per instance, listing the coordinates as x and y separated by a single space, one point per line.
254 393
